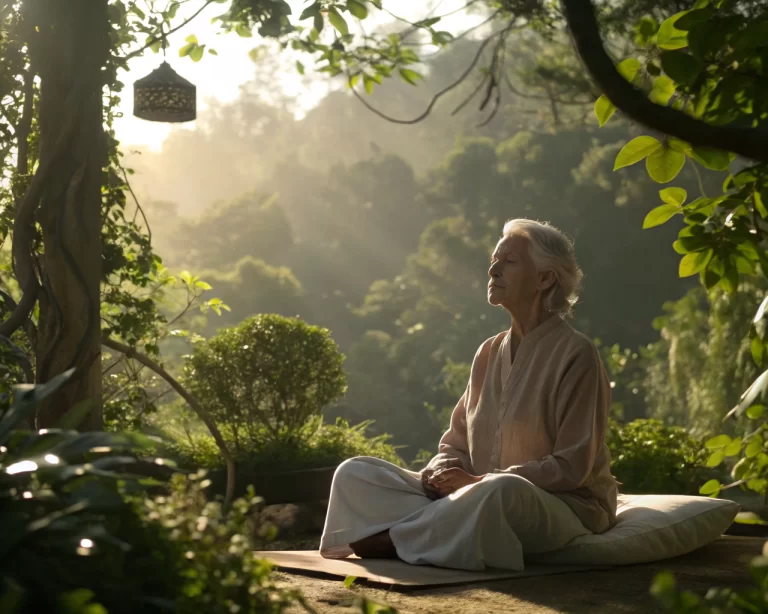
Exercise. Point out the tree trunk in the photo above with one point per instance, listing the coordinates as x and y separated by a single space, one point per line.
68 53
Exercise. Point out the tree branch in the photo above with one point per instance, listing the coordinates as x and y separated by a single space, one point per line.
580 15
156 39
145 360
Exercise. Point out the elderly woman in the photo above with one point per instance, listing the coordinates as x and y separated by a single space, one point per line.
524 467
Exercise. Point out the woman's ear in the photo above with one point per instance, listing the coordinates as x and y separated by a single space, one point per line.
546 280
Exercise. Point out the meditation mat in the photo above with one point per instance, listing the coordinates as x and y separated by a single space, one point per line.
393 572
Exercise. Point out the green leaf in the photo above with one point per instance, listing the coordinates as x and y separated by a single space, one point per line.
664 164
682 67
213 52
318 22
660 215
669 37
755 412
662 90
368 83
186 49
673 196
349 581
754 447
191 39
410 76
717 442
713 159
629 68
203 285
716 458
712 488
636 150
337 21
357 8
311 11
300 67
604 109
663 585
138 12
757 349
196 54
733 448
244 30
645 29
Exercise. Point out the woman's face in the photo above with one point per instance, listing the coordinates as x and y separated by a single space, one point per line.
515 283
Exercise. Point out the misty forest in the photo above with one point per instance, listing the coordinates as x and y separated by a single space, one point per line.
288 282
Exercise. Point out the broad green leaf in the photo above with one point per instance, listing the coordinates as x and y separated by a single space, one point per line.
712 488
634 151
755 412
713 159
410 76
213 52
749 518
664 164
203 285
192 39
660 215
662 90
186 49
197 53
337 21
628 68
717 442
349 581
694 263
754 447
669 37
716 458
604 109
357 8
673 196
682 67
300 67
733 448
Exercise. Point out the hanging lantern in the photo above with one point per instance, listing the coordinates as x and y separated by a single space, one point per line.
165 96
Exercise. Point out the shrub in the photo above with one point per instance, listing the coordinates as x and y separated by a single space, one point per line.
82 532
268 376
650 457
327 446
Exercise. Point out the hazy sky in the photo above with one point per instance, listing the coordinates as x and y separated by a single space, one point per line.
220 77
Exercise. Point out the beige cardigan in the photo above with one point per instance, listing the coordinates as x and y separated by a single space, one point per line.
543 417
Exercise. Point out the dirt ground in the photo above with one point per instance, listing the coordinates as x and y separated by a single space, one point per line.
616 591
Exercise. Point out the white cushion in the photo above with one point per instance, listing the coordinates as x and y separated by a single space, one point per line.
649 528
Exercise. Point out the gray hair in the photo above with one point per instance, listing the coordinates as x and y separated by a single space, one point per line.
551 250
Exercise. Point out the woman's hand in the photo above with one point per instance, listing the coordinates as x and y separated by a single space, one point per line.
447 481
431 492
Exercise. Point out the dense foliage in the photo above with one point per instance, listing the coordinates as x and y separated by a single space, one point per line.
648 457
266 378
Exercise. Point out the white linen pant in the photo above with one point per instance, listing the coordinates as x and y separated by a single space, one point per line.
493 523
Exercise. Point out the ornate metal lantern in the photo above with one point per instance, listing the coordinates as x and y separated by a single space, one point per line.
165 96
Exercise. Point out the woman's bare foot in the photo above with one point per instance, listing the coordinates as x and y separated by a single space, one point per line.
377 546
